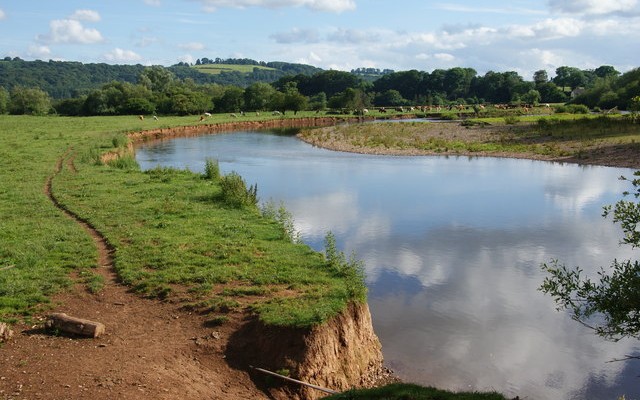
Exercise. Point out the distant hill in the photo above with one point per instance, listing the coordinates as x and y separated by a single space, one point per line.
65 79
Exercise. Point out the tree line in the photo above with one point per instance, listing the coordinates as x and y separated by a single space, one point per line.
174 90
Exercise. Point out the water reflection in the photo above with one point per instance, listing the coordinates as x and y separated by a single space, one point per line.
452 248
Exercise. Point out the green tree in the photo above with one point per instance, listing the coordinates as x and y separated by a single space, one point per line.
611 304
293 100
232 100
531 97
29 101
604 71
258 96
540 77
156 78
318 102
390 98
569 77
4 100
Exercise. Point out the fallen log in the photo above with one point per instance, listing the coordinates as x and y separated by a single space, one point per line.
76 326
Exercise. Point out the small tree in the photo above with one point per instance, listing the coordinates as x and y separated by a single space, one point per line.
29 101
611 304
531 97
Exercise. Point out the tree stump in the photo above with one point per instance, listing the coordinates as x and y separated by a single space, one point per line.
76 326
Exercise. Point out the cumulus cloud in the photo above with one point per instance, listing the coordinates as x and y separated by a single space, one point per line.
70 31
2 14
550 28
592 7
192 46
39 51
297 35
85 15
336 6
120 55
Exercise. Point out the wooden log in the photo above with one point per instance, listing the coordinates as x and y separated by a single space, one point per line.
77 326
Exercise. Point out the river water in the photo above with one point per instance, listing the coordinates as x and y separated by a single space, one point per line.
452 249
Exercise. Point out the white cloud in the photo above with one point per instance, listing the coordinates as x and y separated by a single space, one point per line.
548 29
2 14
70 31
39 51
187 58
120 55
85 15
192 46
353 36
336 6
592 7
297 35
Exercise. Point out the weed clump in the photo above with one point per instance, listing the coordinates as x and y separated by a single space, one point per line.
211 169
351 270
235 192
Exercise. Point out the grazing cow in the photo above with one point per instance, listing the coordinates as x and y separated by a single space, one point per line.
207 114
202 118
155 117
276 113
234 115
141 117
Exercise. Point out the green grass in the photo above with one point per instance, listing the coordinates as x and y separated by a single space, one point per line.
174 233
218 68
404 391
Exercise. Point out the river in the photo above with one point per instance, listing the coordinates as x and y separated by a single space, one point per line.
452 248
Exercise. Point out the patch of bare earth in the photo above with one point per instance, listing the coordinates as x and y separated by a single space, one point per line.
150 350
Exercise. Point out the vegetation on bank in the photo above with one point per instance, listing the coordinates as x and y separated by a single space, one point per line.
177 234
403 391
551 137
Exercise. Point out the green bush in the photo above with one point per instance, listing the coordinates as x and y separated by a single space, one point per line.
572 109
511 120
211 169
235 192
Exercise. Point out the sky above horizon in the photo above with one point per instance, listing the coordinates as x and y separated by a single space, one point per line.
519 35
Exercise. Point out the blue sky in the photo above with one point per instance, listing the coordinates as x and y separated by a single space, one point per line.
515 35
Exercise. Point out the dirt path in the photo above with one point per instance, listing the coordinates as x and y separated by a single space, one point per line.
151 349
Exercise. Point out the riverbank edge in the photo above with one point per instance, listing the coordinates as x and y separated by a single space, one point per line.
613 155
341 353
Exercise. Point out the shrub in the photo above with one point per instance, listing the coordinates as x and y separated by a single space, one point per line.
281 215
211 169
235 192
352 270
125 162
511 120
572 109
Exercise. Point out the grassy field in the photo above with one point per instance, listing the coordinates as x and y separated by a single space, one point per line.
218 68
174 233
